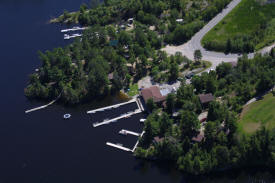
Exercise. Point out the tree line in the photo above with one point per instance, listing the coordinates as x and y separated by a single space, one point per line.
221 148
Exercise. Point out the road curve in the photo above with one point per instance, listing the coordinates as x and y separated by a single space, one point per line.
215 58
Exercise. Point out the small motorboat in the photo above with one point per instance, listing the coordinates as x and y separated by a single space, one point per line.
142 120
67 116
66 36
122 132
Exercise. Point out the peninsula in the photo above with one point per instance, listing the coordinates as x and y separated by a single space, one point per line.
201 121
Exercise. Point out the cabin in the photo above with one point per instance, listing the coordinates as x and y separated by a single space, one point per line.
157 140
205 99
154 93
111 76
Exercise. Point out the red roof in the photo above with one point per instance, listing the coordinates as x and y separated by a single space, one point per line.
158 140
152 92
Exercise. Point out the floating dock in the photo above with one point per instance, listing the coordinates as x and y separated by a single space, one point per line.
66 37
126 132
140 106
118 146
112 106
133 150
73 29
117 118
43 106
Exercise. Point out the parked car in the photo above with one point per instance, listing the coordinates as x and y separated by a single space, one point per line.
190 75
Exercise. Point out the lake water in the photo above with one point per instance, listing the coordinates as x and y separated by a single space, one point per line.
41 147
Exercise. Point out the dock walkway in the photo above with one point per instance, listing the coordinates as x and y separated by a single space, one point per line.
112 106
118 146
140 104
73 29
133 150
129 132
125 148
117 118
43 106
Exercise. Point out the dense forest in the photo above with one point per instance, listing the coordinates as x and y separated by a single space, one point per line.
176 21
81 71
221 148
110 57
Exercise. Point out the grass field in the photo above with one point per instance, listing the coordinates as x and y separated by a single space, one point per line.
133 90
245 18
257 114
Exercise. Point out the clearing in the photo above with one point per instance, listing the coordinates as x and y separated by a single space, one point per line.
245 19
256 114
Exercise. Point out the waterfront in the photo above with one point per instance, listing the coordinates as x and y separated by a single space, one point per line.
41 146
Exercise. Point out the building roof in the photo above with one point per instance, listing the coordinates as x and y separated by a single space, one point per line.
152 92
205 98
111 76
157 139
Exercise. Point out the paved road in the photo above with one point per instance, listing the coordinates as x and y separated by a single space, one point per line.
215 58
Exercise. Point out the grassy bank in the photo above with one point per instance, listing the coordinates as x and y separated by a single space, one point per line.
249 21
257 114
133 90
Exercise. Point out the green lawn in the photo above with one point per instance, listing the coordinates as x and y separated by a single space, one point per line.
245 18
256 114
133 90
207 65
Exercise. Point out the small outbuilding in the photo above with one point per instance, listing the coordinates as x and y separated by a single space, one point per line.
111 76
205 99
179 20
157 140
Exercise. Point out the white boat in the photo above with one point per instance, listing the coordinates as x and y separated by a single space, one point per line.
122 132
142 120
66 36
77 35
67 116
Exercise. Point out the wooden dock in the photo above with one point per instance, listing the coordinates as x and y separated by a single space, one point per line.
73 29
125 148
42 107
118 146
126 132
117 118
140 104
133 150
112 106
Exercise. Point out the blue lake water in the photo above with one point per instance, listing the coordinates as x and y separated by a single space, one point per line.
41 147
